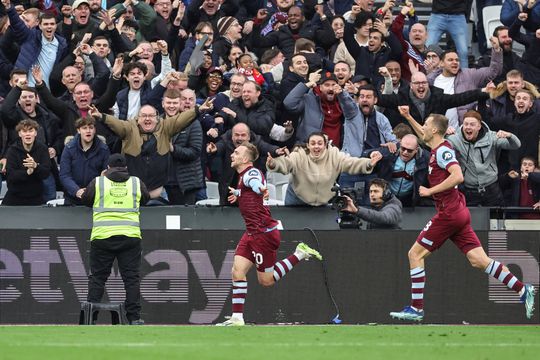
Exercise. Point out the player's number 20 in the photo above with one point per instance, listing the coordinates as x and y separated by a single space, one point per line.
258 257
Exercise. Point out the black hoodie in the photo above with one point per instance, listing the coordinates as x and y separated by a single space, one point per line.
116 175
24 189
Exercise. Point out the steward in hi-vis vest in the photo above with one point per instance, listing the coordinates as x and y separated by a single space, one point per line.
115 198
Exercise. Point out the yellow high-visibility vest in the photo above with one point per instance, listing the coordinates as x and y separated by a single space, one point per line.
116 208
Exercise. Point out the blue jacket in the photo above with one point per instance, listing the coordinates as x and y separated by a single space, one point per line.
354 133
302 100
510 11
30 41
149 96
78 168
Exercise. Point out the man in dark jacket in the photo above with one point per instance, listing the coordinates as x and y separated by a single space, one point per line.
406 170
83 98
185 171
139 92
38 46
385 211
285 37
116 233
423 99
27 166
22 103
225 146
525 124
257 112
208 10
83 159
376 54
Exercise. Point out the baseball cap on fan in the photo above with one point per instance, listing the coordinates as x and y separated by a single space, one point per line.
78 3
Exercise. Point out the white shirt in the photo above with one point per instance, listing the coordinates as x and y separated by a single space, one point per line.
447 85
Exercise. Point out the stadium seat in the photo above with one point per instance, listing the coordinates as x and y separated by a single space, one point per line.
4 190
118 312
208 202
55 202
212 190
492 19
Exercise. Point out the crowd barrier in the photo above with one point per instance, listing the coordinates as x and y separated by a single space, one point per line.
186 276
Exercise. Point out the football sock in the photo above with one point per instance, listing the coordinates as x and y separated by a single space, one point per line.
282 267
418 279
495 269
239 298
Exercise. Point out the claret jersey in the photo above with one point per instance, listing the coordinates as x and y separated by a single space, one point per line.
256 215
442 157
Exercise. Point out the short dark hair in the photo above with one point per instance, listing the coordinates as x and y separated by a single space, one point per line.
499 28
343 62
362 18
30 89
383 184
368 87
27 124
47 15
17 72
101 37
530 158
131 24
84 121
135 65
446 52
269 55
303 44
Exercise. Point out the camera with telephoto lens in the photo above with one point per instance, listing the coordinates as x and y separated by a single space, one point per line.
346 220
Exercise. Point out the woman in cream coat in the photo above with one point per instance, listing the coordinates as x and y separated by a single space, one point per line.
315 169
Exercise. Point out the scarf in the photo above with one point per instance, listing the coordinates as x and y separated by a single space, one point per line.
253 74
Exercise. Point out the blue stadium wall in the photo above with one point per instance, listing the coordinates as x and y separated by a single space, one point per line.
186 278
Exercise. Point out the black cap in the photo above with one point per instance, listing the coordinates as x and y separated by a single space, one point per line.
358 78
326 76
117 160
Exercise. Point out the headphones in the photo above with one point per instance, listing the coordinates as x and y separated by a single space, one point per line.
387 193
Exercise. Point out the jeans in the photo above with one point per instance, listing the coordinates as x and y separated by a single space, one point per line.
291 199
456 26
49 188
482 41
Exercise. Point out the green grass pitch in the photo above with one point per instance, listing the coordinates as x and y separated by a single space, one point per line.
270 342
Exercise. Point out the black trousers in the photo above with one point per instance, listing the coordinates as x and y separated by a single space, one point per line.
489 196
176 197
127 251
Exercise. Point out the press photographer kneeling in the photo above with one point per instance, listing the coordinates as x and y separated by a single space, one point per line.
385 208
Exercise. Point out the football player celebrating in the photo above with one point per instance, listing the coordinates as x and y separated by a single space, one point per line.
260 242
452 221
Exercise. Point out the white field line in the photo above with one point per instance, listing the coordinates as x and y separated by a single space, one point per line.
279 344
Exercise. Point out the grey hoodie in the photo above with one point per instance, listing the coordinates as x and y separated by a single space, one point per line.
478 159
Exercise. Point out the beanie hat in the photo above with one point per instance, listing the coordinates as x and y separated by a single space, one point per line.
224 24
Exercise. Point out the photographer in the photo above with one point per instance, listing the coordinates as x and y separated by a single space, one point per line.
385 211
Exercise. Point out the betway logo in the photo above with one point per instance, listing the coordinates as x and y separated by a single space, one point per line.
173 265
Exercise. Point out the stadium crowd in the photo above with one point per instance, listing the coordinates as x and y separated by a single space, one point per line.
176 86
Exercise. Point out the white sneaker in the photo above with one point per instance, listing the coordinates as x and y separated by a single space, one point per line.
233 321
